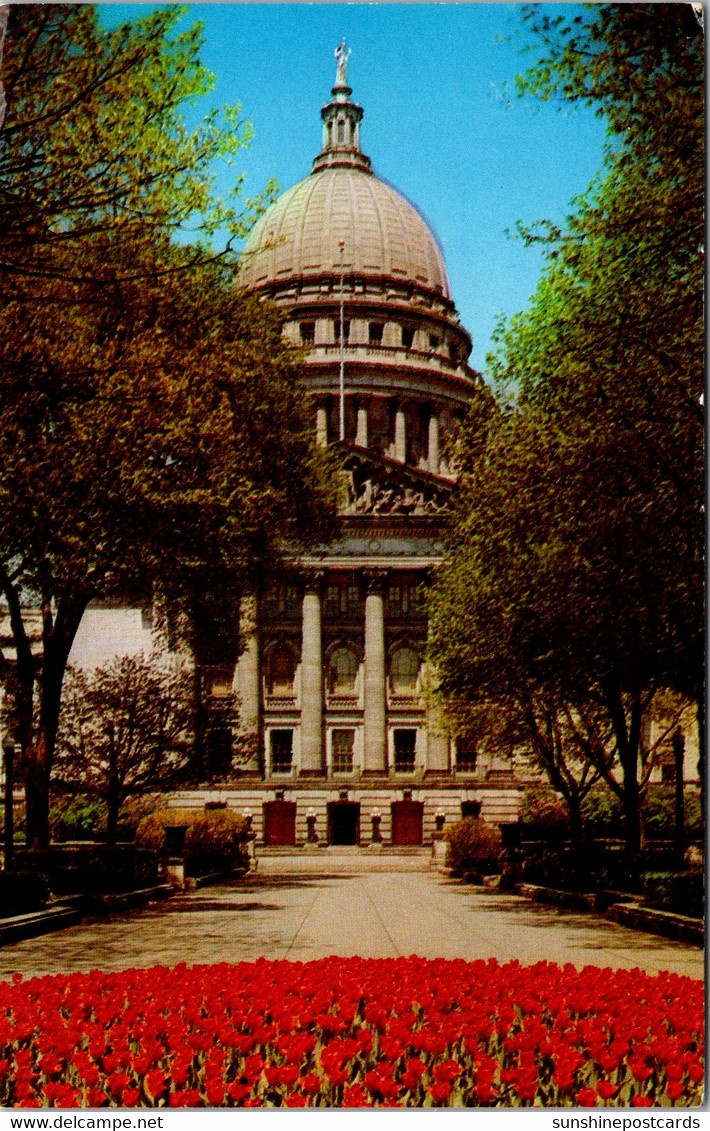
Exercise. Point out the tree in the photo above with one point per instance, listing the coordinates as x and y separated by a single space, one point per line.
94 142
575 565
124 730
155 433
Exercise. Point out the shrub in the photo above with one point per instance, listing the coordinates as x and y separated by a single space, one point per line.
134 810
602 813
597 868
215 840
22 892
77 817
472 846
682 892
659 812
95 869
543 815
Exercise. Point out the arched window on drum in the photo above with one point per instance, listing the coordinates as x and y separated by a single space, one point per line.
281 672
404 672
342 672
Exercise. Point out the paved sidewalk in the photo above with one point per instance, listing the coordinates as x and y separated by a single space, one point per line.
370 913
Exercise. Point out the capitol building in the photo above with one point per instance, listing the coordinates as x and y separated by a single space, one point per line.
341 739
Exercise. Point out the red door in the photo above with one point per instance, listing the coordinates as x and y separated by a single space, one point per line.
279 822
407 822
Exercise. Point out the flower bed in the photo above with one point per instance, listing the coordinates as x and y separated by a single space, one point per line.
352 1032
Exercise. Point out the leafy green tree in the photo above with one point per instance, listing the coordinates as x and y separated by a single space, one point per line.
124 730
94 143
575 570
155 434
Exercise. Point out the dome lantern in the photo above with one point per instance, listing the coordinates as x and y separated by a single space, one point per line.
341 124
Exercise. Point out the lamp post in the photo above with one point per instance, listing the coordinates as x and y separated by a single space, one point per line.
9 758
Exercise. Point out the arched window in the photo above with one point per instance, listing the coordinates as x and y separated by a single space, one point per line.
342 672
281 672
404 670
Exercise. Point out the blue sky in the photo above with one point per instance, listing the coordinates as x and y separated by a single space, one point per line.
438 124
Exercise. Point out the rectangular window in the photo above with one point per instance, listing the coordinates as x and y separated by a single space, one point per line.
341 131
308 332
405 748
407 337
465 755
281 751
343 744
332 600
346 329
394 599
376 331
433 341
292 601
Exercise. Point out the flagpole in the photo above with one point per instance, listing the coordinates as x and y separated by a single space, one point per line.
342 344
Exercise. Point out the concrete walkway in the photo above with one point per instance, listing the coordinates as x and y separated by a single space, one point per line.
373 913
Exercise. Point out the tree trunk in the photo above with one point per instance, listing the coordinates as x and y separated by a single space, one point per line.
679 839
631 804
113 805
36 797
57 638
574 809
701 751
628 740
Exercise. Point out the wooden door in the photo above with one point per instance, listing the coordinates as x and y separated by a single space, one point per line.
407 819
279 822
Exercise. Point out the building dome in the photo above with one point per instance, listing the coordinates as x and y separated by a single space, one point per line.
381 233
362 283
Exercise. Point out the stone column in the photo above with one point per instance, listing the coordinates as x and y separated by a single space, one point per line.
248 682
400 435
361 435
321 424
375 690
312 679
433 452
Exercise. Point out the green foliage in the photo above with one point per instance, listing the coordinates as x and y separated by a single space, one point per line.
215 840
77 817
543 815
473 845
682 892
659 812
602 813
155 435
573 589
94 141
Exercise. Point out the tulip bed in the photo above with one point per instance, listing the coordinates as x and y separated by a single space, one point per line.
352 1032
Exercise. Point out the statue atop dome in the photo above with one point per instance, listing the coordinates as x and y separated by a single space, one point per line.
342 54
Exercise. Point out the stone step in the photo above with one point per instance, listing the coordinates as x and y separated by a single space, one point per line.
344 850
343 860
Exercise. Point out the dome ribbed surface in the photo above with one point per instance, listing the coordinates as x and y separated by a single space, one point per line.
384 234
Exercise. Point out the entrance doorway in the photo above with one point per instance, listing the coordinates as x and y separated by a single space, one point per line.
343 822
279 822
407 820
